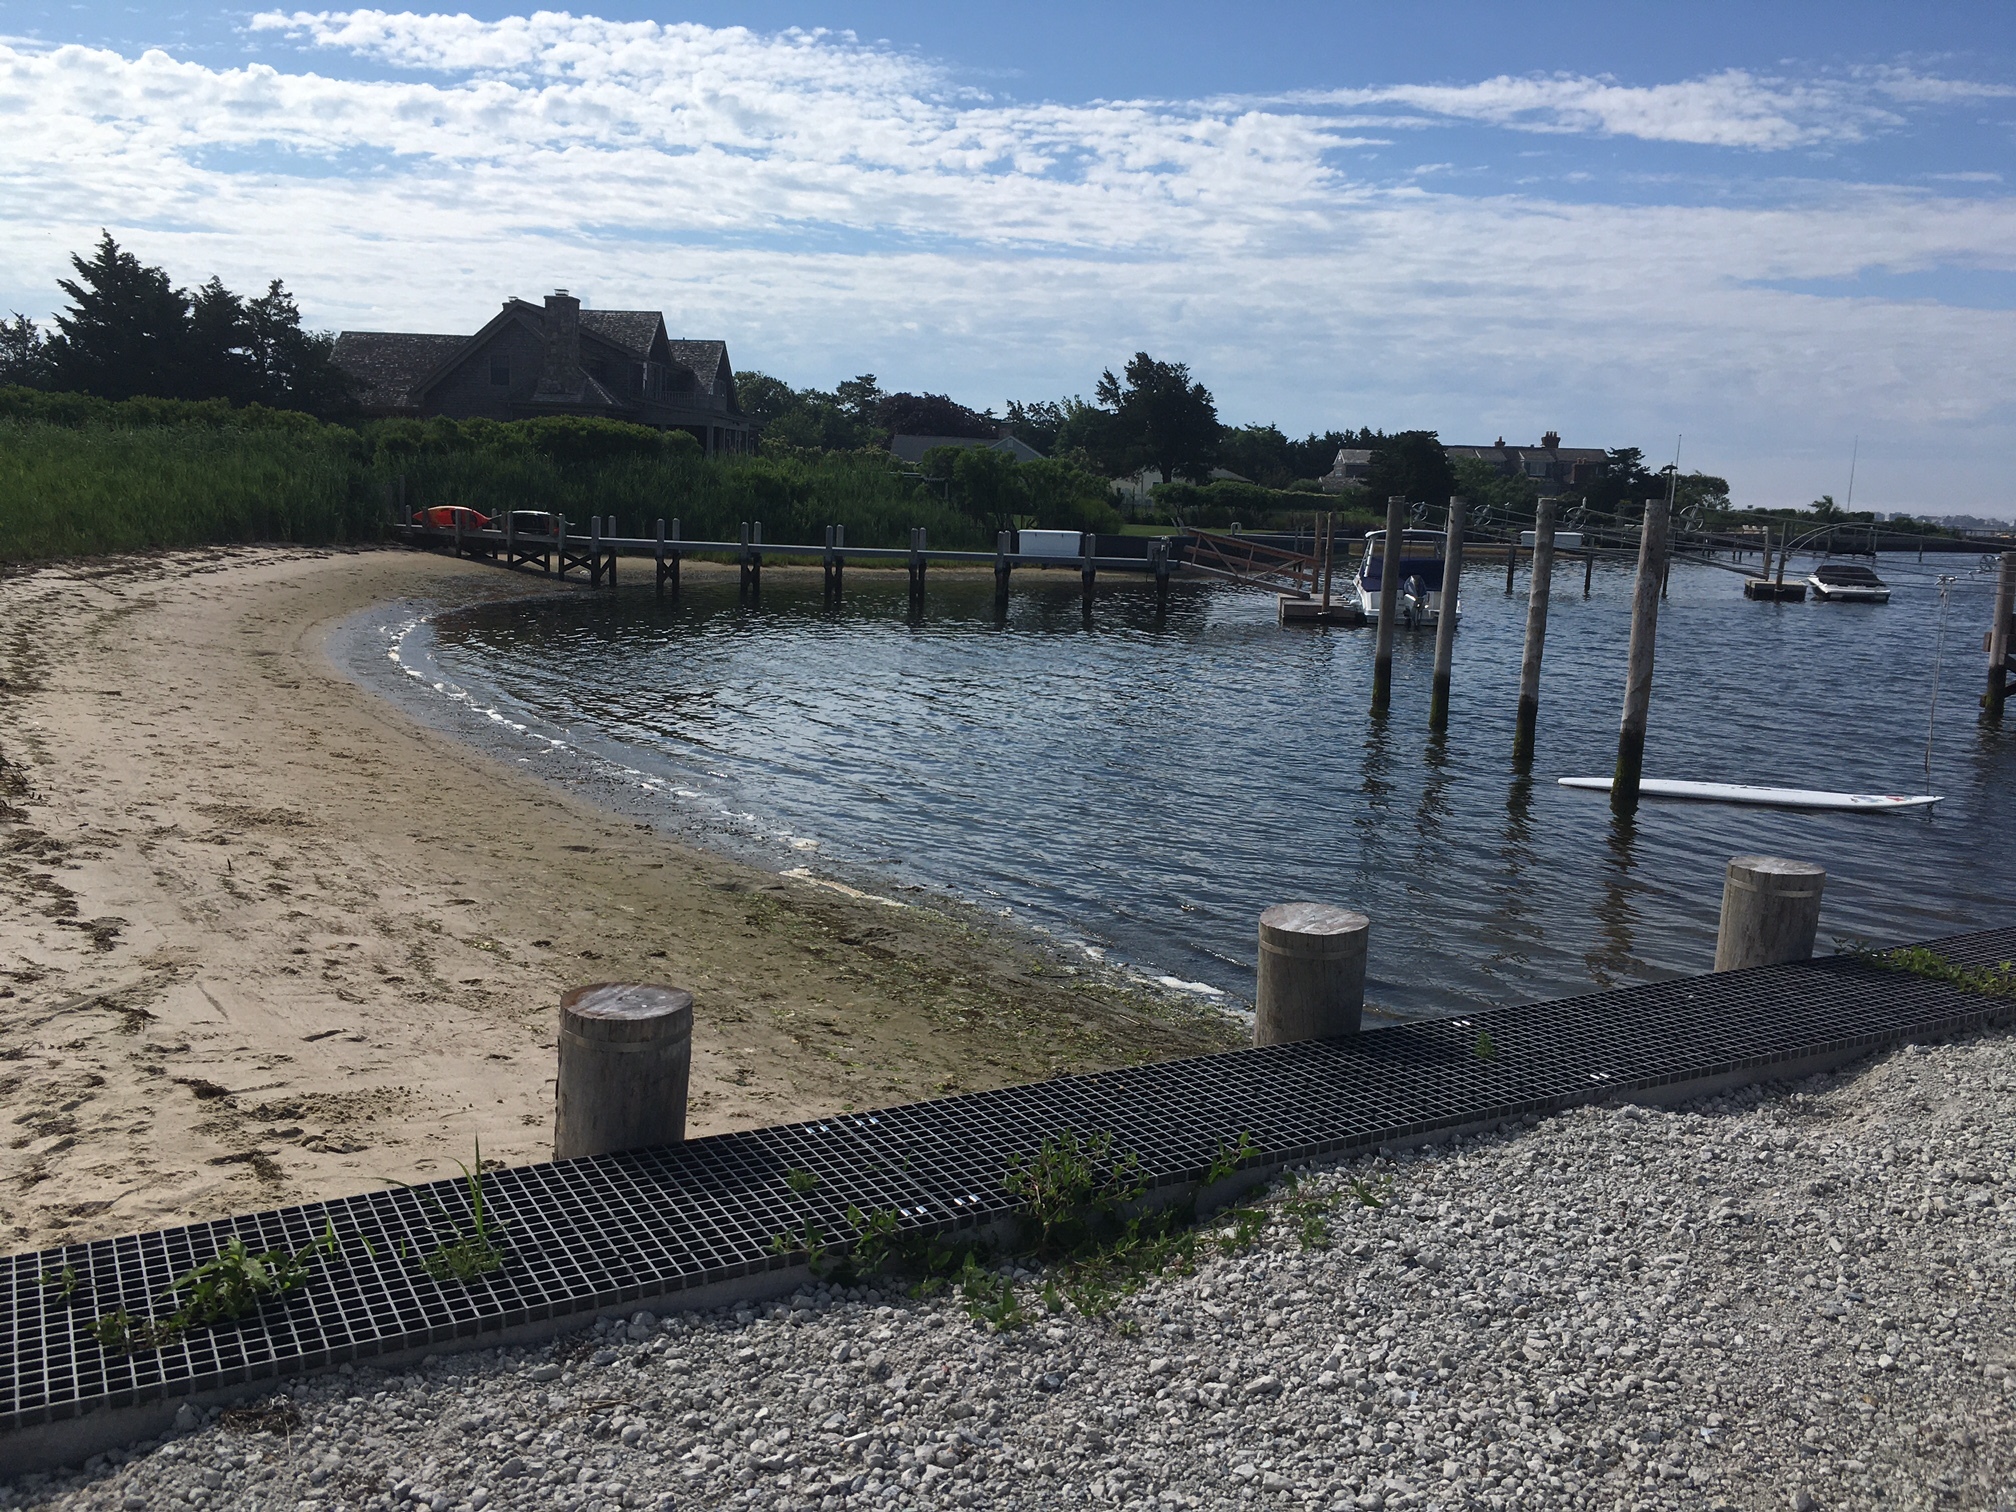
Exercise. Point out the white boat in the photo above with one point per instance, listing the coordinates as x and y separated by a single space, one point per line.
1768 797
1849 583
1420 602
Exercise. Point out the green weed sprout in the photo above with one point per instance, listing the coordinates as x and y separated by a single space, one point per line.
465 1257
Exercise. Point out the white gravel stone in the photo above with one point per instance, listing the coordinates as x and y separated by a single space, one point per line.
1800 1296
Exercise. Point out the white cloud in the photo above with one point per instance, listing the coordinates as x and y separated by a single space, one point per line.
832 207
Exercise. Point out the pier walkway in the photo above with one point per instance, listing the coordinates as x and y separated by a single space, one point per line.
699 1223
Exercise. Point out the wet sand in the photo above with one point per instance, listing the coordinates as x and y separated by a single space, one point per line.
263 938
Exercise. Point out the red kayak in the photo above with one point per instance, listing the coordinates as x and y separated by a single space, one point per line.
443 517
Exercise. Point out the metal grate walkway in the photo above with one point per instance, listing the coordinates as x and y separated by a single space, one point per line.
591 1234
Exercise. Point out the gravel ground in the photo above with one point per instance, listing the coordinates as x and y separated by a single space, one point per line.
1793 1297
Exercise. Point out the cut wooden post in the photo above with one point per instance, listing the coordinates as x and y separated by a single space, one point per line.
1536 633
839 560
1087 572
917 539
1389 603
1311 983
659 559
1770 911
1997 696
1162 570
626 1053
595 551
613 535
560 543
1445 618
1511 559
1588 569
1638 677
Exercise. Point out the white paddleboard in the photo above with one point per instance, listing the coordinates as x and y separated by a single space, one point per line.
1771 797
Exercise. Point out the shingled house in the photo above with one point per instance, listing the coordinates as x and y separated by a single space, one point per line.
1550 464
556 360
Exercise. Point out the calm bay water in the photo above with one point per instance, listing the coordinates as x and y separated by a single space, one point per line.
1145 788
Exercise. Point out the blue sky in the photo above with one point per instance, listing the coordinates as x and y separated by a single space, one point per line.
1774 229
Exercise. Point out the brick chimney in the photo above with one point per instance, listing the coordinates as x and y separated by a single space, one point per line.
1551 441
563 343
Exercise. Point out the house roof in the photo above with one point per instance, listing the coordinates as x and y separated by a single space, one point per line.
912 448
388 365
704 358
1503 454
636 331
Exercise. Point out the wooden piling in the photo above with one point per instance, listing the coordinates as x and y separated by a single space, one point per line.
1997 696
1311 982
1389 604
1002 539
626 1055
560 545
1588 569
1162 570
1088 573
1538 590
1445 619
917 561
1638 678
1511 559
1770 911
595 551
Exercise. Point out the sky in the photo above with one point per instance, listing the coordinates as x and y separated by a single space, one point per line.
1774 237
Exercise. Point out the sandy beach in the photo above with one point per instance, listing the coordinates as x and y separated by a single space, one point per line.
263 938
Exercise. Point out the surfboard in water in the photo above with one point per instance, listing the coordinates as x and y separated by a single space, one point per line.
1769 797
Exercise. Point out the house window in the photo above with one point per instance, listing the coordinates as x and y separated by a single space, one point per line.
500 372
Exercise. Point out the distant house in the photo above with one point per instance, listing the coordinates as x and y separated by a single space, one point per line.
1352 467
912 448
555 360
1550 464
1139 487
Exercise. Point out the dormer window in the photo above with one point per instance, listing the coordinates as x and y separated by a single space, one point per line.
500 372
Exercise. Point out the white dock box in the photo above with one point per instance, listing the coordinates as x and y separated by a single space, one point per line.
1564 540
1051 543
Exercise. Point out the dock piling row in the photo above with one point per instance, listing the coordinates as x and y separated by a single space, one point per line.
1638 678
1445 621
1536 633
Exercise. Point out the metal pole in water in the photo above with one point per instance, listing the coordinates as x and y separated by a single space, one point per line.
1638 680
1445 618
1997 696
1536 632
1389 603
1770 911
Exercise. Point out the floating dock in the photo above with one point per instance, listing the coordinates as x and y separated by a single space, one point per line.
698 1224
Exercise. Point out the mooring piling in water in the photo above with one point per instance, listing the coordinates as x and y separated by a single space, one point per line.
750 582
1538 590
1311 981
916 564
1445 619
1158 557
833 563
1993 701
1511 559
625 1057
1003 542
1638 676
668 558
1770 911
1088 572
1389 603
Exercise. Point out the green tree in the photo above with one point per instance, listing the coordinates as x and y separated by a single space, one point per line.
1165 420
1042 423
1827 511
24 354
1412 464
126 331
931 415
1484 486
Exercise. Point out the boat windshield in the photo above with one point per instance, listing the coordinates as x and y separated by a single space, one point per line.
1847 575
1420 557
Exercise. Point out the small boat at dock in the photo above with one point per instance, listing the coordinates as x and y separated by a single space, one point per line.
1420 571
1848 583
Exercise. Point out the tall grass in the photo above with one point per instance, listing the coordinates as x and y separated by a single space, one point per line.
80 491
89 478
795 497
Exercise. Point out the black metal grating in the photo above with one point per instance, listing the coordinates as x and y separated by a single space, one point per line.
583 1235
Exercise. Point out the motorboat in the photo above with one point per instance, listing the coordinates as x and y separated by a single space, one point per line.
1849 583
1420 572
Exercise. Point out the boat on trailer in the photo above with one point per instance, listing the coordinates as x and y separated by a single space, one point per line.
1848 583
1420 571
